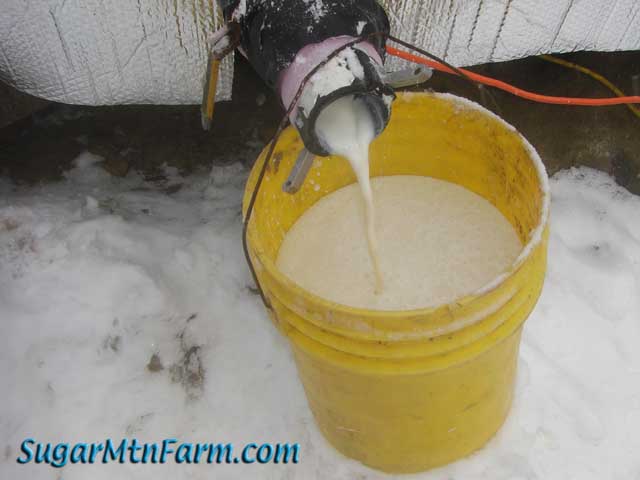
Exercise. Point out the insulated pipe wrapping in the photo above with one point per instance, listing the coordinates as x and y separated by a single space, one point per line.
154 51
97 52
469 32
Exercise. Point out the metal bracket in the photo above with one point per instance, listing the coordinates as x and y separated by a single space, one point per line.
299 172
408 77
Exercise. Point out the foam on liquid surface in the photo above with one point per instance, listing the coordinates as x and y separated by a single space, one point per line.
436 242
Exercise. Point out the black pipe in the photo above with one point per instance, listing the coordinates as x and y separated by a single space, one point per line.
274 31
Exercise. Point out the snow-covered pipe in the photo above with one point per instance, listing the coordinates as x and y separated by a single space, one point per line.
286 40
357 71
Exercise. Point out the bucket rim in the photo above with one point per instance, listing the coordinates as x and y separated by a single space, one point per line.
370 316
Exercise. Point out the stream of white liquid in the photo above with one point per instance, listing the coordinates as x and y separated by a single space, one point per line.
347 129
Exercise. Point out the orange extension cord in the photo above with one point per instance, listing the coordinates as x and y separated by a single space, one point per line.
536 97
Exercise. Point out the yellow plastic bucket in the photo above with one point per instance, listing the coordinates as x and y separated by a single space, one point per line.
410 390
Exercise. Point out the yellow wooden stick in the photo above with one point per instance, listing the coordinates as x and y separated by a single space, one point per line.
209 94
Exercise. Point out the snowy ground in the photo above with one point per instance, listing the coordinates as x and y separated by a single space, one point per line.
128 312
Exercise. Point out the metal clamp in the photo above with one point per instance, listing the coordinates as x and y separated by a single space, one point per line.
299 172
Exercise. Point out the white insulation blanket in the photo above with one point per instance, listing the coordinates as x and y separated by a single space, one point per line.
153 51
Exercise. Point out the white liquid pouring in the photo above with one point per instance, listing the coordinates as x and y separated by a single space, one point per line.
347 129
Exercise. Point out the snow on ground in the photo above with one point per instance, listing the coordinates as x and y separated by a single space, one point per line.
127 312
